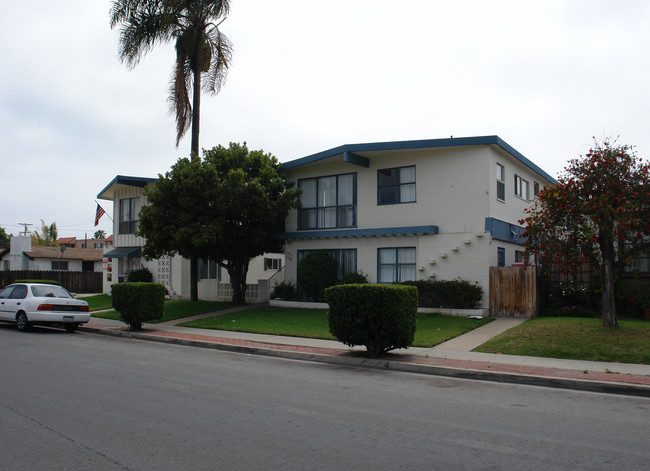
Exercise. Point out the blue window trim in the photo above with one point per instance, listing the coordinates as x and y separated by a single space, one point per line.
501 257
397 186
337 206
395 265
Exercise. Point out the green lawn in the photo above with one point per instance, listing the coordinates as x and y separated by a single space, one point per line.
312 323
98 301
575 338
176 309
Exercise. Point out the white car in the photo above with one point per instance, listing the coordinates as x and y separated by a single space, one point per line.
29 304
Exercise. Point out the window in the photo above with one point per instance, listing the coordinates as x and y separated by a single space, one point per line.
328 202
501 257
501 182
395 264
521 187
129 215
209 269
519 256
396 185
125 266
535 188
60 265
19 292
346 258
272 264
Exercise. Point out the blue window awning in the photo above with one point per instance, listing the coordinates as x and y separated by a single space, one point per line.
124 252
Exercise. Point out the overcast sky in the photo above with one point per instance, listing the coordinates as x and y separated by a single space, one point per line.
307 76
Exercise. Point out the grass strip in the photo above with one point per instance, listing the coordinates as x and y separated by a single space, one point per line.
576 339
432 329
176 309
98 302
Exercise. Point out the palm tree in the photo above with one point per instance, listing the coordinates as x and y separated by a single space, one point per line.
202 51
48 235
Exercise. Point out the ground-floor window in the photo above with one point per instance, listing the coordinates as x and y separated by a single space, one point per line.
126 266
396 264
346 258
59 265
272 264
501 257
209 269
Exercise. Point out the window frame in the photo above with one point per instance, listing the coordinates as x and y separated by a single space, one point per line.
128 223
397 186
396 265
519 188
61 265
338 255
339 214
501 183
501 256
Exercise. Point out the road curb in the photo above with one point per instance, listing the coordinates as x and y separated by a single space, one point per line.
627 389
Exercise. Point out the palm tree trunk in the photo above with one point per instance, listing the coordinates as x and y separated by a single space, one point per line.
196 112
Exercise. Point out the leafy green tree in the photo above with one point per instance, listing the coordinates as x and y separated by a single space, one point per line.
224 207
5 239
598 213
202 51
99 234
47 236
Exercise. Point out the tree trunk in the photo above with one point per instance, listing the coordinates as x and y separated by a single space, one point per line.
607 279
237 272
194 279
196 112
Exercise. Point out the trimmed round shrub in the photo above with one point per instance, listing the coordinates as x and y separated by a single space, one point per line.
380 317
141 275
316 272
353 278
138 302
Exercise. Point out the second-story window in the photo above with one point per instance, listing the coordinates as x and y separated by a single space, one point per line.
521 188
396 185
129 215
501 182
328 202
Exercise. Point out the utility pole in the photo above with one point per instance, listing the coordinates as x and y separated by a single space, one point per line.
26 225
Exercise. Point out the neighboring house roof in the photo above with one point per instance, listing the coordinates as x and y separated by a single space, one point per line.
121 180
66 240
359 154
87 255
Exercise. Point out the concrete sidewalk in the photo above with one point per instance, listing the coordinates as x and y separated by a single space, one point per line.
452 358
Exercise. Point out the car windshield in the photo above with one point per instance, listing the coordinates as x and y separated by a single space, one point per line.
48 291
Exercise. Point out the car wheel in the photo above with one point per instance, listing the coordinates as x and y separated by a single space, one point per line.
23 323
71 327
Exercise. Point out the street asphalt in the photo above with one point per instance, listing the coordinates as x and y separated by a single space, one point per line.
453 358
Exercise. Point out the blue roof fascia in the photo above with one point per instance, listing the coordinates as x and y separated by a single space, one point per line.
419 144
344 233
356 159
505 231
140 182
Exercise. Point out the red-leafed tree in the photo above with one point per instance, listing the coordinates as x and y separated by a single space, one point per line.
597 213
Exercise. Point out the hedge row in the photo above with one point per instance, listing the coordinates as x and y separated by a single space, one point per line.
456 294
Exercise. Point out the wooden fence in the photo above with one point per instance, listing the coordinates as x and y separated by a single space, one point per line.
513 292
74 281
